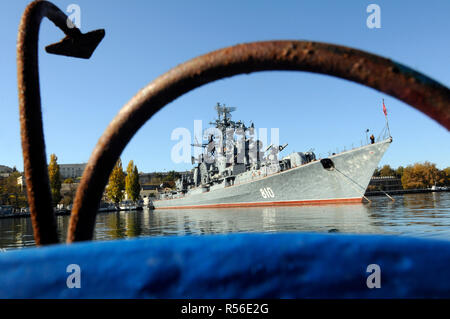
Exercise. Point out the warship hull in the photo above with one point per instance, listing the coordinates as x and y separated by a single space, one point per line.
307 184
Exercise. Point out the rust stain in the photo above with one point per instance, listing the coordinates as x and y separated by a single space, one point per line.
32 136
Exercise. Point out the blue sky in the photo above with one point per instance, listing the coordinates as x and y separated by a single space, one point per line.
144 39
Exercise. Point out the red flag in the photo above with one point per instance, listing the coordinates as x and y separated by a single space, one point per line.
384 109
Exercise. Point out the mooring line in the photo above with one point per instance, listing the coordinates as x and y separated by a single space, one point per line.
354 183
364 188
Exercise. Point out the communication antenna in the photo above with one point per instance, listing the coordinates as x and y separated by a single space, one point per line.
225 110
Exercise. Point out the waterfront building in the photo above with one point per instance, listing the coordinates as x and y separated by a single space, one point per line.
149 191
71 170
385 183
21 182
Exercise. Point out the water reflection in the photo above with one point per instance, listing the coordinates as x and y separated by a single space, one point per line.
16 232
344 218
421 215
415 214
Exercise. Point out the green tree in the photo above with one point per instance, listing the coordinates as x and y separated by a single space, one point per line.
116 184
55 179
132 186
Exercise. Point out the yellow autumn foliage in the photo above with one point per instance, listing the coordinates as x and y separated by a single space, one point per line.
422 175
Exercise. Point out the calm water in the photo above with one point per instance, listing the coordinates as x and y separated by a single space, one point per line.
419 215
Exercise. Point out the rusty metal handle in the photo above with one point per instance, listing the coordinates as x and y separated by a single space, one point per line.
33 144
418 90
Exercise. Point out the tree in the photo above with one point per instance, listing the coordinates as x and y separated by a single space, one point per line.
69 181
399 171
116 184
55 179
376 172
10 192
422 176
386 170
446 172
132 186
69 196
171 176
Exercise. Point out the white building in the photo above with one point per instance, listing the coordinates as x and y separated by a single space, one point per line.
21 182
71 170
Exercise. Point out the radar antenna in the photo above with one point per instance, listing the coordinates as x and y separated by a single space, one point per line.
225 111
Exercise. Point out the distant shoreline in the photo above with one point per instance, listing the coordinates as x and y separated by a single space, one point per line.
57 213
405 191
370 194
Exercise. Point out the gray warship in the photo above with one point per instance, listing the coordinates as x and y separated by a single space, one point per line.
236 170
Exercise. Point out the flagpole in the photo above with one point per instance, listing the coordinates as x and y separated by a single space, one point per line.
387 122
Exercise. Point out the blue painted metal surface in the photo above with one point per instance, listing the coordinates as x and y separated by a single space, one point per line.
287 265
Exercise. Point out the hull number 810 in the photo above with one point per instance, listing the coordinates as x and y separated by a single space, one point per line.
267 192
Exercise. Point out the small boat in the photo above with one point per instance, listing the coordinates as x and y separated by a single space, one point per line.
147 203
6 210
107 207
127 205
130 205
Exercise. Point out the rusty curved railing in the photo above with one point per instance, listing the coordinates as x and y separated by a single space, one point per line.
75 44
414 88
379 73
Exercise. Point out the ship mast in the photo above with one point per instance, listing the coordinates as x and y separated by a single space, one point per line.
225 121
